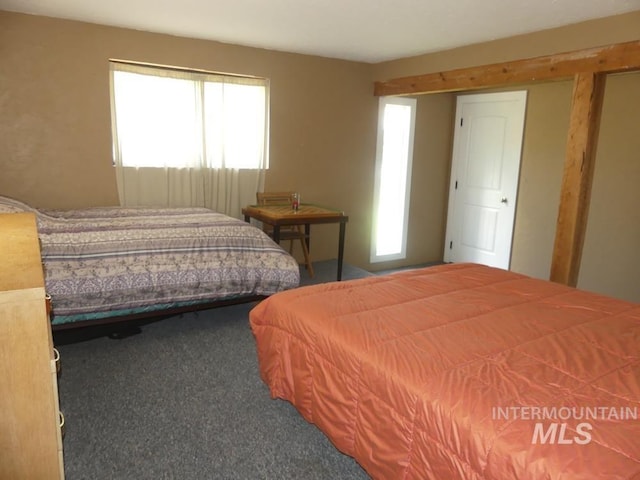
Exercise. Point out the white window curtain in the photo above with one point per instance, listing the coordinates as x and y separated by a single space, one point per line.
184 138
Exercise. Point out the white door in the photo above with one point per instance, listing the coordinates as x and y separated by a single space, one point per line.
484 178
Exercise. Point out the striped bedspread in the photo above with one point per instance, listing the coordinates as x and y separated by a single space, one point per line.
102 262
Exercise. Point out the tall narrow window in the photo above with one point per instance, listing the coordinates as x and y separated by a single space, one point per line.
396 123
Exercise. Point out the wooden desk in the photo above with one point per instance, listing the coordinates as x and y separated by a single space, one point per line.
307 214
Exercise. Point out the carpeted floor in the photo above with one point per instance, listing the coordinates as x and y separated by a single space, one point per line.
184 400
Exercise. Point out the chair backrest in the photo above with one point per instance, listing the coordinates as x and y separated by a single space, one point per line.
274 198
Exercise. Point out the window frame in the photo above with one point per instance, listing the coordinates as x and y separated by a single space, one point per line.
200 77
408 157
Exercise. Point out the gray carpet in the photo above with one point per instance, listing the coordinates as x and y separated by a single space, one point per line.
184 400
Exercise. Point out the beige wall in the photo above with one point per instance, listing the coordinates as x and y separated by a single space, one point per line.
543 149
611 257
55 140
55 131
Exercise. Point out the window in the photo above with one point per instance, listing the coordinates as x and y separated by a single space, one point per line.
396 121
174 118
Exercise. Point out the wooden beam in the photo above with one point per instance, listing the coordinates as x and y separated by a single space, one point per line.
584 123
609 59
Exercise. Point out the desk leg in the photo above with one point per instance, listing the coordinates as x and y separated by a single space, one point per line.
247 219
343 226
276 233
307 235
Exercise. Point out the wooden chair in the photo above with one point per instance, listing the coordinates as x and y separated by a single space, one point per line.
288 232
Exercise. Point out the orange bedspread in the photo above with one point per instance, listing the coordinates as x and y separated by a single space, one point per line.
460 372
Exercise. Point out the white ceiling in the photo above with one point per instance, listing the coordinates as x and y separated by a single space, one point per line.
361 30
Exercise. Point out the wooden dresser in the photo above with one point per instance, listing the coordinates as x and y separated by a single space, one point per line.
30 419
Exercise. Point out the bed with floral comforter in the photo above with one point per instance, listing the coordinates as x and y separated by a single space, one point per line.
104 263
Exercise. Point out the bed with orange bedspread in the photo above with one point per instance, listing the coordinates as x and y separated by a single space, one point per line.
460 371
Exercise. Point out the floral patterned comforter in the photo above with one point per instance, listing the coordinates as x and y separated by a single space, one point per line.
101 262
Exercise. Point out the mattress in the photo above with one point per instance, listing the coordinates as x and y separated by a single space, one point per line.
460 371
